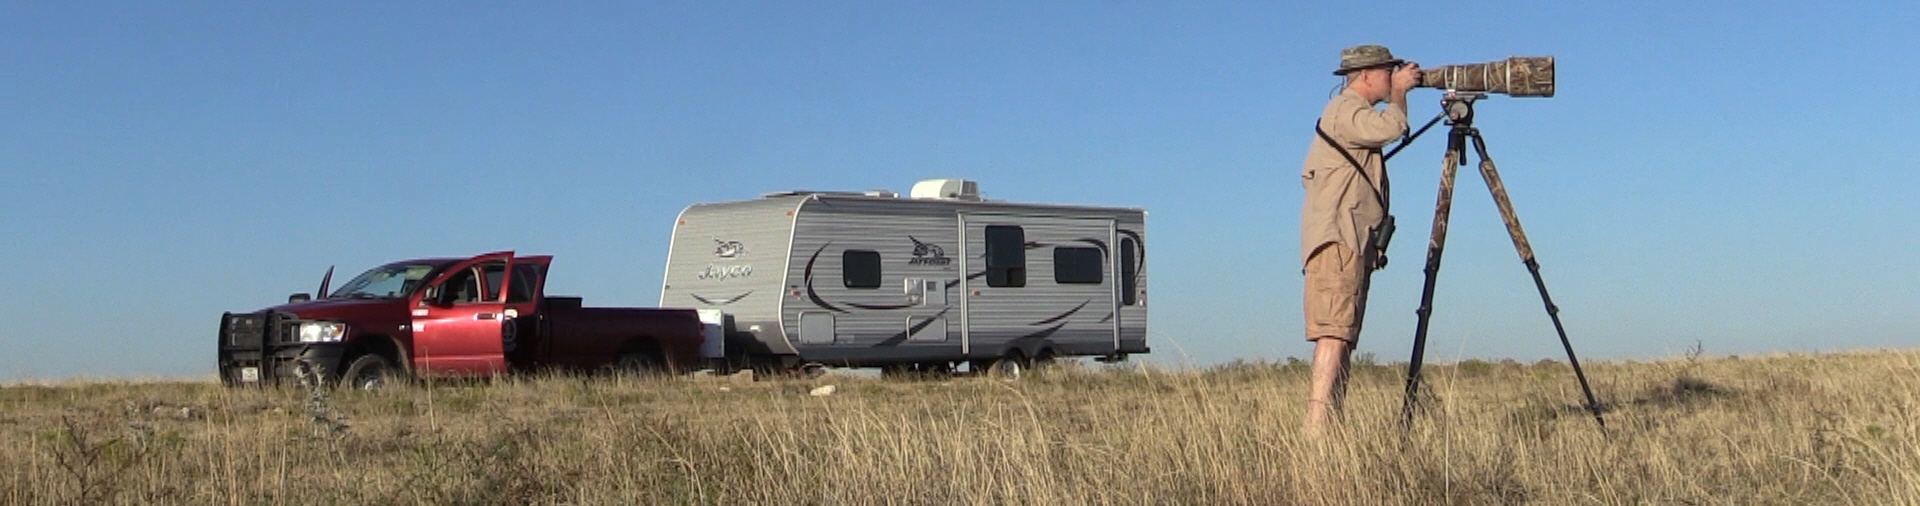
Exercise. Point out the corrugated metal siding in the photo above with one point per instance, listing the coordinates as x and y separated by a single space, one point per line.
1064 313
874 322
699 277
1133 331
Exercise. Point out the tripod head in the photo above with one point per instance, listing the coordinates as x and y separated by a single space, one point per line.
1459 107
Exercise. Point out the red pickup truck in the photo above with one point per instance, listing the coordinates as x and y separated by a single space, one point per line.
450 317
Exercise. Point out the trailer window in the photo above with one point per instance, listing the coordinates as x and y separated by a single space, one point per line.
860 268
1077 266
1006 256
1129 273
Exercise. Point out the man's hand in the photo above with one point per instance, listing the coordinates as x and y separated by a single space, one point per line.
1406 77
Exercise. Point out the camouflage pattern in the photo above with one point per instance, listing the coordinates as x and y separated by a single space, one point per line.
1442 212
1520 76
1500 200
1365 56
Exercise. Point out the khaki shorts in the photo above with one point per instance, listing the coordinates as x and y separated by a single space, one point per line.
1336 294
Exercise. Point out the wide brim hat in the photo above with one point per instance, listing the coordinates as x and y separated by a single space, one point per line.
1365 56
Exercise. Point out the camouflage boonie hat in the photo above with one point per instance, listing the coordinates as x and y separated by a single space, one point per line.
1365 56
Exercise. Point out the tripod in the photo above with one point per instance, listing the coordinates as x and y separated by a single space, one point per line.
1459 114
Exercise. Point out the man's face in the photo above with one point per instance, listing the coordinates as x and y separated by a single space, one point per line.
1377 82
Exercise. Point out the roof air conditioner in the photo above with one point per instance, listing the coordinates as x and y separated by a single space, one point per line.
949 189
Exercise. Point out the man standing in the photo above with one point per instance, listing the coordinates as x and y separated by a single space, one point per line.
1345 212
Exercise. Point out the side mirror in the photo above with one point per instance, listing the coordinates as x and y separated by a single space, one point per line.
431 297
298 298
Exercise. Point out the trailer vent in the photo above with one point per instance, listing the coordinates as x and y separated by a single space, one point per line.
947 189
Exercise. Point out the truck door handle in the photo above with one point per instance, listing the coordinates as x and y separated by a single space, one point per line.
483 316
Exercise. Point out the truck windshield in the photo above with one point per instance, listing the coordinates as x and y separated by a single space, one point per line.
387 281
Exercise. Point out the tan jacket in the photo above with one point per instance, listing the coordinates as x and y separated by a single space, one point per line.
1338 206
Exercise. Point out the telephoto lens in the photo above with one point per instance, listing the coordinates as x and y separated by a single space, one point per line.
1519 76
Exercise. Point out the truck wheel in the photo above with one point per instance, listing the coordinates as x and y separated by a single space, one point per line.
638 363
369 372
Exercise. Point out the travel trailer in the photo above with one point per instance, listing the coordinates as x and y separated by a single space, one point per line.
926 282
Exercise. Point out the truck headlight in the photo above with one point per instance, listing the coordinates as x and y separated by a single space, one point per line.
322 332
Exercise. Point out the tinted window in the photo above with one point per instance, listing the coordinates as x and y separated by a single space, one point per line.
461 287
394 280
1129 274
525 278
496 272
1006 256
1077 266
860 268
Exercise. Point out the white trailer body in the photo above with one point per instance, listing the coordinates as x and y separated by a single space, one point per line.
872 279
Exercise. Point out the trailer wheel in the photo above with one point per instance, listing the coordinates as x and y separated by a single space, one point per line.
1043 360
936 370
1011 366
367 373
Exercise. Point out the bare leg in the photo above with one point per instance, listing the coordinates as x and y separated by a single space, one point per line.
1330 361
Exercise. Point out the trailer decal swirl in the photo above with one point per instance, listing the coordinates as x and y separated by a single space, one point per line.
720 301
1063 316
808 276
896 339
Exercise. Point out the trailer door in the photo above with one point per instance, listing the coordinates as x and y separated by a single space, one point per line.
1035 282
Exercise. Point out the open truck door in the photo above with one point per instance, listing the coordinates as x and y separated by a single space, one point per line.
463 321
524 340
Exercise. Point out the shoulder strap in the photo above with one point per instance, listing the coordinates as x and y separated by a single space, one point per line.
1357 169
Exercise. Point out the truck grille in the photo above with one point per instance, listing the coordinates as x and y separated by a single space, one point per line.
244 329
248 330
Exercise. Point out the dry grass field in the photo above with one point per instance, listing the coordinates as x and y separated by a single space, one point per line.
1826 429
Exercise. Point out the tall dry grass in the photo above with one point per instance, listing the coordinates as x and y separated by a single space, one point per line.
1831 429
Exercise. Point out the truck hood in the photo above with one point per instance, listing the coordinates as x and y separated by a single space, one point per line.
346 310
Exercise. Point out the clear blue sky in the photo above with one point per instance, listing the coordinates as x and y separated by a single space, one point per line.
1740 176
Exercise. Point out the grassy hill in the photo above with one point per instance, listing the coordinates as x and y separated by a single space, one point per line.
1826 429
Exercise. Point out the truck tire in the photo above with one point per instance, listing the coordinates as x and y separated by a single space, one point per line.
369 372
639 364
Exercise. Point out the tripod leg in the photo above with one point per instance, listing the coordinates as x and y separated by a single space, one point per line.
1499 190
1436 244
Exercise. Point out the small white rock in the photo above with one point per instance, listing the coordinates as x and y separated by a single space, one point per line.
822 391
